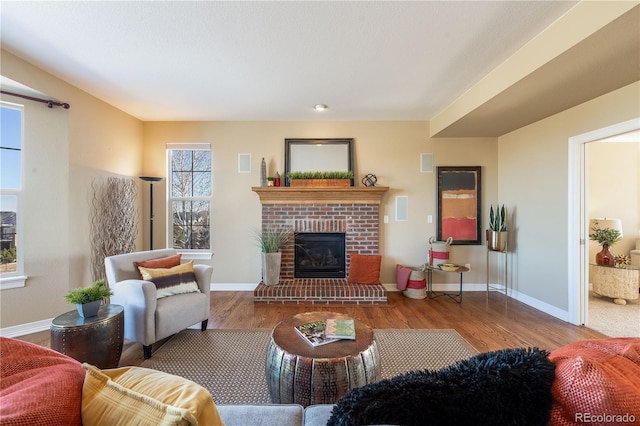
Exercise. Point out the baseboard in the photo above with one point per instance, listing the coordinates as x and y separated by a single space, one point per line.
24 329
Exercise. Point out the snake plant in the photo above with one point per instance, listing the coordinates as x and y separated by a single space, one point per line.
498 218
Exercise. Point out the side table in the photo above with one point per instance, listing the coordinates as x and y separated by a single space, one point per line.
619 283
457 297
298 373
95 340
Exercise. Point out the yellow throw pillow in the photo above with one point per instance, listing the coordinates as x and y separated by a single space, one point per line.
169 281
141 396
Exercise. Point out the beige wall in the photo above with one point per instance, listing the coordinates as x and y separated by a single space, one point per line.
614 189
390 150
533 182
92 140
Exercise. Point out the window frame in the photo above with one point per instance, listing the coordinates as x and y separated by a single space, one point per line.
188 254
16 278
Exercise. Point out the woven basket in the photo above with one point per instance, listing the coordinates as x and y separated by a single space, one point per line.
320 183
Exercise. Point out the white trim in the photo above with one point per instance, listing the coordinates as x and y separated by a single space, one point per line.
189 146
195 255
28 328
577 211
12 282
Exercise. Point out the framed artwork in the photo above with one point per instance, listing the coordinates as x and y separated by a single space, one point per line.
459 195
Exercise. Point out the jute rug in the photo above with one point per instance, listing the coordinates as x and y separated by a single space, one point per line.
231 363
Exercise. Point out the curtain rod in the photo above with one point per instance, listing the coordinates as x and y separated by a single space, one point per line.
49 102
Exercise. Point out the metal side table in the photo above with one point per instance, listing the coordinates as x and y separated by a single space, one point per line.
456 297
95 340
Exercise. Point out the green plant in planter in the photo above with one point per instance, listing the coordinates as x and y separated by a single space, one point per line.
320 175
498 218
95 292
606 236
270 239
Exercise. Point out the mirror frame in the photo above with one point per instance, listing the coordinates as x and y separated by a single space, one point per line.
340 141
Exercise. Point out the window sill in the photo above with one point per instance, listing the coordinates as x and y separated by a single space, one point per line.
195 255
12 282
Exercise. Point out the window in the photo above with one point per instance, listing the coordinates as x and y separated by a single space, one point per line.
189 191
11 263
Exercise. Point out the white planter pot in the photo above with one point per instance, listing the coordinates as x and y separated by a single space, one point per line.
271 268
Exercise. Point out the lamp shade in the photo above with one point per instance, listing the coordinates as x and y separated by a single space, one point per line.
604 223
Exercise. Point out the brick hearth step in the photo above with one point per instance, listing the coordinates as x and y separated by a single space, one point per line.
320 291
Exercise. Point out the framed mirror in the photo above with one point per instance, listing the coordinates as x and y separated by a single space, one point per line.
324 155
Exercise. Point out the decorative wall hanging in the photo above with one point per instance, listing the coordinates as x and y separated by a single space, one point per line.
113 221
459 195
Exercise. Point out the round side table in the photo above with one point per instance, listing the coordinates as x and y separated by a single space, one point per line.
298 373
95 340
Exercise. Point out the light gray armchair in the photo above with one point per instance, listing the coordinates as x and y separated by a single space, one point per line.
146 318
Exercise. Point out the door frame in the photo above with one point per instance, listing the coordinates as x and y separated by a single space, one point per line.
578 221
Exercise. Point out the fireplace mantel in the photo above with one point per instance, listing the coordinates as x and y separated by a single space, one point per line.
348 195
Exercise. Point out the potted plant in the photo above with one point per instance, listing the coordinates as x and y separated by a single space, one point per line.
606 237
88 299
320 179
271 240
497 234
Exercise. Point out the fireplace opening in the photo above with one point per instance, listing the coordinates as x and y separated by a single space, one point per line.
319 255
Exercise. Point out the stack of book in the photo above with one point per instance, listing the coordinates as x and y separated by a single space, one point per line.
318 333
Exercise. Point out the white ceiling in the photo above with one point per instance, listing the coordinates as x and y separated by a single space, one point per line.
175 60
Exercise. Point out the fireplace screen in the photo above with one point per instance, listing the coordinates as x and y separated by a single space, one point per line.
319 255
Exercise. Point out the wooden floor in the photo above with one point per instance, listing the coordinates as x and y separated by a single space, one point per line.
487 323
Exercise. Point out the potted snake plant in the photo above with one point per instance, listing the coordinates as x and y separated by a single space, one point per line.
497 233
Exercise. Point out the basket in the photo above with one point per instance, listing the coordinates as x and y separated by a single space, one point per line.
415 293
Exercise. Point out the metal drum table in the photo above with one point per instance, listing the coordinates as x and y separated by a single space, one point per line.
298 373
95 340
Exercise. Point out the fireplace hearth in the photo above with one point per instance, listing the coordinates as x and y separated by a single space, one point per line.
319 255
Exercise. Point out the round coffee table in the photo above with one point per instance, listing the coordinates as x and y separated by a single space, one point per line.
298 373
96 340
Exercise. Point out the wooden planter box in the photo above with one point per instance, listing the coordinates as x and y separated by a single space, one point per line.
320 183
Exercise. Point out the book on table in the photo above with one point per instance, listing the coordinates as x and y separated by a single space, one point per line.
313 333
339 328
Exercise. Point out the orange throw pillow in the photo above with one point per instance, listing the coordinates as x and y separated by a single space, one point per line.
364 269
599 377
161 263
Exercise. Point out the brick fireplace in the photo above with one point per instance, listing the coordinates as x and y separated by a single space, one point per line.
353 211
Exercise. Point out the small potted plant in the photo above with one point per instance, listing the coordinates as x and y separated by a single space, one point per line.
88 299
271 240
606 237
497 233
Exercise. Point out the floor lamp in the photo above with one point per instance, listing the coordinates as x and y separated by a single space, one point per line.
151 180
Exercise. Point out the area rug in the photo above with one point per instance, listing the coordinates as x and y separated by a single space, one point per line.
231 363
614 320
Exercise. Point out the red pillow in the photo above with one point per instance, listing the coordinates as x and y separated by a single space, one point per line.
596 378
163 262
38 385
402 276
364 269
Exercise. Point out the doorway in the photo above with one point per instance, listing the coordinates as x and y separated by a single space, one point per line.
578 220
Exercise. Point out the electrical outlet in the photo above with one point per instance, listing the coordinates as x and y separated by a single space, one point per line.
430 219
386 219
468 266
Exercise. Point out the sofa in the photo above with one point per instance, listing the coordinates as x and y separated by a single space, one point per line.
590 381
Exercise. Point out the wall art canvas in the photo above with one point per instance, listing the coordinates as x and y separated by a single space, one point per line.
459 198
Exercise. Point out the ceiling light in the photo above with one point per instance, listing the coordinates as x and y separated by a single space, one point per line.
320 107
